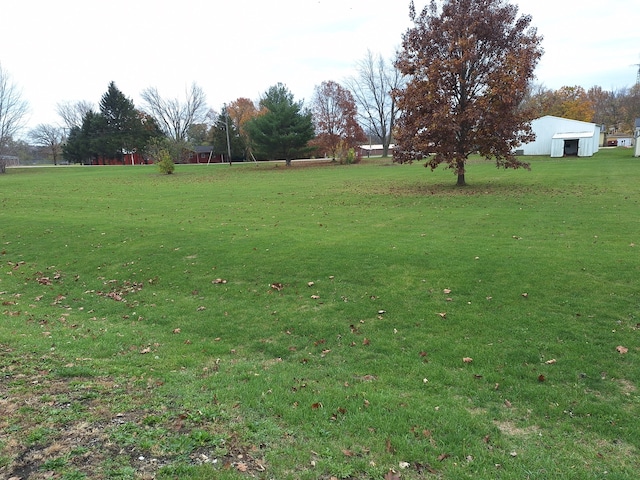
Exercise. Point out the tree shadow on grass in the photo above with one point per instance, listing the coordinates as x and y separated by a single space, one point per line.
487 188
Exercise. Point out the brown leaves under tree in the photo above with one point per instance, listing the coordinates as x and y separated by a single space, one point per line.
469 66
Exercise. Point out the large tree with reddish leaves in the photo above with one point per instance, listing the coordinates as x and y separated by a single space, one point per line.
335 118
469 64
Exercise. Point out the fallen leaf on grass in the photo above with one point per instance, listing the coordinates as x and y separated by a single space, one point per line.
277 286
348 453
443 456
242 467
315 297
391 475
442 314
366 341
541 378
621 350
507 403
525 295
218 281
145 350
310 284
467 359
176 330
551 362
388 447
447 291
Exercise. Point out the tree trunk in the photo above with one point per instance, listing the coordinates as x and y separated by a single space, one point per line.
460 169
385 149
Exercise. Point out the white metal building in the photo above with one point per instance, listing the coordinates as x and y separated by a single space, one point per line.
559 137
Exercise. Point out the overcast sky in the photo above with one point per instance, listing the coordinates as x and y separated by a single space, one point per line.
69 50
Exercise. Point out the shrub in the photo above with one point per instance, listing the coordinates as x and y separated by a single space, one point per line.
345 155
165 162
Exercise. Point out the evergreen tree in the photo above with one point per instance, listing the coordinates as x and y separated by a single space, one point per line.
283 131
123 130
85 143
117 129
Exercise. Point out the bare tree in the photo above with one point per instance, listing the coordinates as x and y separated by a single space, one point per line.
371 88
50 138
73 114
13 110
173 116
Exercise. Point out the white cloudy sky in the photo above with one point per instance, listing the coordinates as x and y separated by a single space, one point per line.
69 50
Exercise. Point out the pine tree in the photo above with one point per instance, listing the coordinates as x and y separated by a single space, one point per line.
283 131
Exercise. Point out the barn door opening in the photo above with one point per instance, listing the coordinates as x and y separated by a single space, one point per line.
570 148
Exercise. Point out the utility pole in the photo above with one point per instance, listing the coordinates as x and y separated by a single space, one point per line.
226 128
638 75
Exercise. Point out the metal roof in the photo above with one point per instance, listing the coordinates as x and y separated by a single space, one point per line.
573 135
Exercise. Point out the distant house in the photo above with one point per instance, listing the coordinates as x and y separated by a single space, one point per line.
9 160
374 150
617 140
561 137
636 152
202 154
129 158
199 154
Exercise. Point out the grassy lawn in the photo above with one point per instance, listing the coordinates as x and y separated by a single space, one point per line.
319 322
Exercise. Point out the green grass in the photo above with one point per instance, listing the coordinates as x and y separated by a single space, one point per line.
142 333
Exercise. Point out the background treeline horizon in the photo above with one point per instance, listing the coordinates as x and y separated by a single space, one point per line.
338 117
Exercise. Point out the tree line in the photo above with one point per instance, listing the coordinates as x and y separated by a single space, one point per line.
462 83
276 126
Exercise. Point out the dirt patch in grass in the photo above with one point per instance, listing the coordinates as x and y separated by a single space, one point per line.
627 387
54 427
508 428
